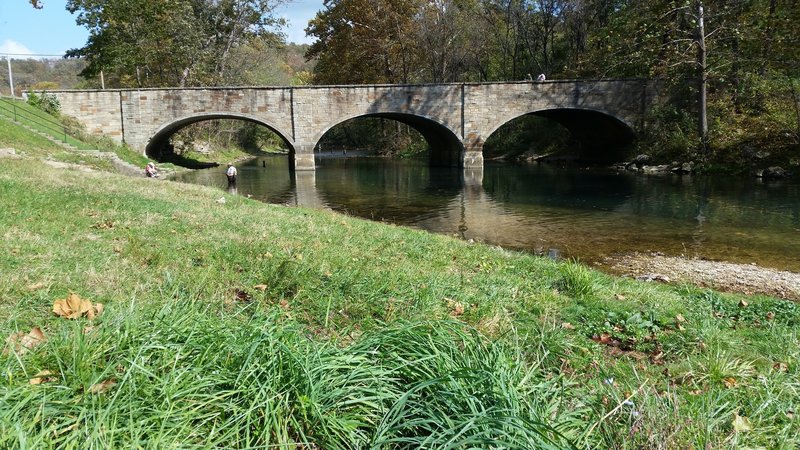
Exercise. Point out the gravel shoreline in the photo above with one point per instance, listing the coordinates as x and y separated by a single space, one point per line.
742 278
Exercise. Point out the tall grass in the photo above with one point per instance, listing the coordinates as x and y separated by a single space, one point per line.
194 375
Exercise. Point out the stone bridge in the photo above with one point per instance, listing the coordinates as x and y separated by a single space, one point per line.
455 119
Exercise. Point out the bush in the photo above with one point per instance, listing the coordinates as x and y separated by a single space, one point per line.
46 102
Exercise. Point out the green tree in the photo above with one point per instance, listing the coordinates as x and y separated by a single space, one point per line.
151 43
365 41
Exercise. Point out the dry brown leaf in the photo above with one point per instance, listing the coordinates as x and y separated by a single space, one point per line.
456 308
74 307
22 342
44 376
730 382
743 304
261 287
284 304
680 318
36 286
567 326
619 296
781 366
241 295
103 386
104 225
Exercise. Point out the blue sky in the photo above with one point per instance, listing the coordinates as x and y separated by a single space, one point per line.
52 31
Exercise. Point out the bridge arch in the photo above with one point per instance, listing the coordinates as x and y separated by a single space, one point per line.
163 132
602 135
445 146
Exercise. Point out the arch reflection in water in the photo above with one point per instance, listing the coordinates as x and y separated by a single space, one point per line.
266 179
583 214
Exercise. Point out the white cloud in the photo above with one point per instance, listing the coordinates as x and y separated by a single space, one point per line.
14 48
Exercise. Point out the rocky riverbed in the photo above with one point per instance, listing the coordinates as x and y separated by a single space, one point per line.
724 276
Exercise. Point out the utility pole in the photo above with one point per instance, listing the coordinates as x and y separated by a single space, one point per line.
703 79
10 75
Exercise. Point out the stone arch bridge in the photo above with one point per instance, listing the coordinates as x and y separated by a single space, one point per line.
455 119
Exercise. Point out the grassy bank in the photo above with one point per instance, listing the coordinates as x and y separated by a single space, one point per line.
242 325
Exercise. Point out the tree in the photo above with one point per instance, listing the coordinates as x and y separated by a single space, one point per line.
169 42
365 41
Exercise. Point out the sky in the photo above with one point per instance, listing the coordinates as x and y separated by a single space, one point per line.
51 31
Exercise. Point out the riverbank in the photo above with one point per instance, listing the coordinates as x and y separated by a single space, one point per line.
747 279
231 323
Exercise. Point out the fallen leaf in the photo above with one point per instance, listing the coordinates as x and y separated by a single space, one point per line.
260 287
103 386
741 423
567 326
456 308
242 296
22 342
770 315
679 318
88 329
730 382
284 304
103 225
74 307
743 304
780 366
36 286
43 376
619 296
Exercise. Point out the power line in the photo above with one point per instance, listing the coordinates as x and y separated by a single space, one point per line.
28 54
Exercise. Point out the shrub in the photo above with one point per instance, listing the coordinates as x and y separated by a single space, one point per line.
46 102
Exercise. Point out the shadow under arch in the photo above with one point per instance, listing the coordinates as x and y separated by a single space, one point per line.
602 136
445 148
160 140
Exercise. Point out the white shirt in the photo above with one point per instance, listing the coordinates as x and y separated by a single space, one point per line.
231 171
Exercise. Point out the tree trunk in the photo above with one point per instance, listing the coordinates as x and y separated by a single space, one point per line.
703 79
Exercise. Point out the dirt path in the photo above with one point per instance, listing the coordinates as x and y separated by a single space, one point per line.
742 278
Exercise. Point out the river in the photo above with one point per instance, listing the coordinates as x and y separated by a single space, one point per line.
586 214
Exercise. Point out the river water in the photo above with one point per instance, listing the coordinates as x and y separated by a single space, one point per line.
574 213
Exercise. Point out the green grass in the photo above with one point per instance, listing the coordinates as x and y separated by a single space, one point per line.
14 136
361 335
39 120
31 144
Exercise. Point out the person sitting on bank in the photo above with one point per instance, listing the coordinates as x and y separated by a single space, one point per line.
231 173
540 78
150 170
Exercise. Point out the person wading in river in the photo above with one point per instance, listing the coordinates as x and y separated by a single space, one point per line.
231 174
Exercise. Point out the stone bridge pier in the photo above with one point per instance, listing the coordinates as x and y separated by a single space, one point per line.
455 119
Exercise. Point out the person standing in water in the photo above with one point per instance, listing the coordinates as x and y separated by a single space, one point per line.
231 174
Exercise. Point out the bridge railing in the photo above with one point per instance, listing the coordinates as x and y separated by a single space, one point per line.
11 109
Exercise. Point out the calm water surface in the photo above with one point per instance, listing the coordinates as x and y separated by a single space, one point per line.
584 214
